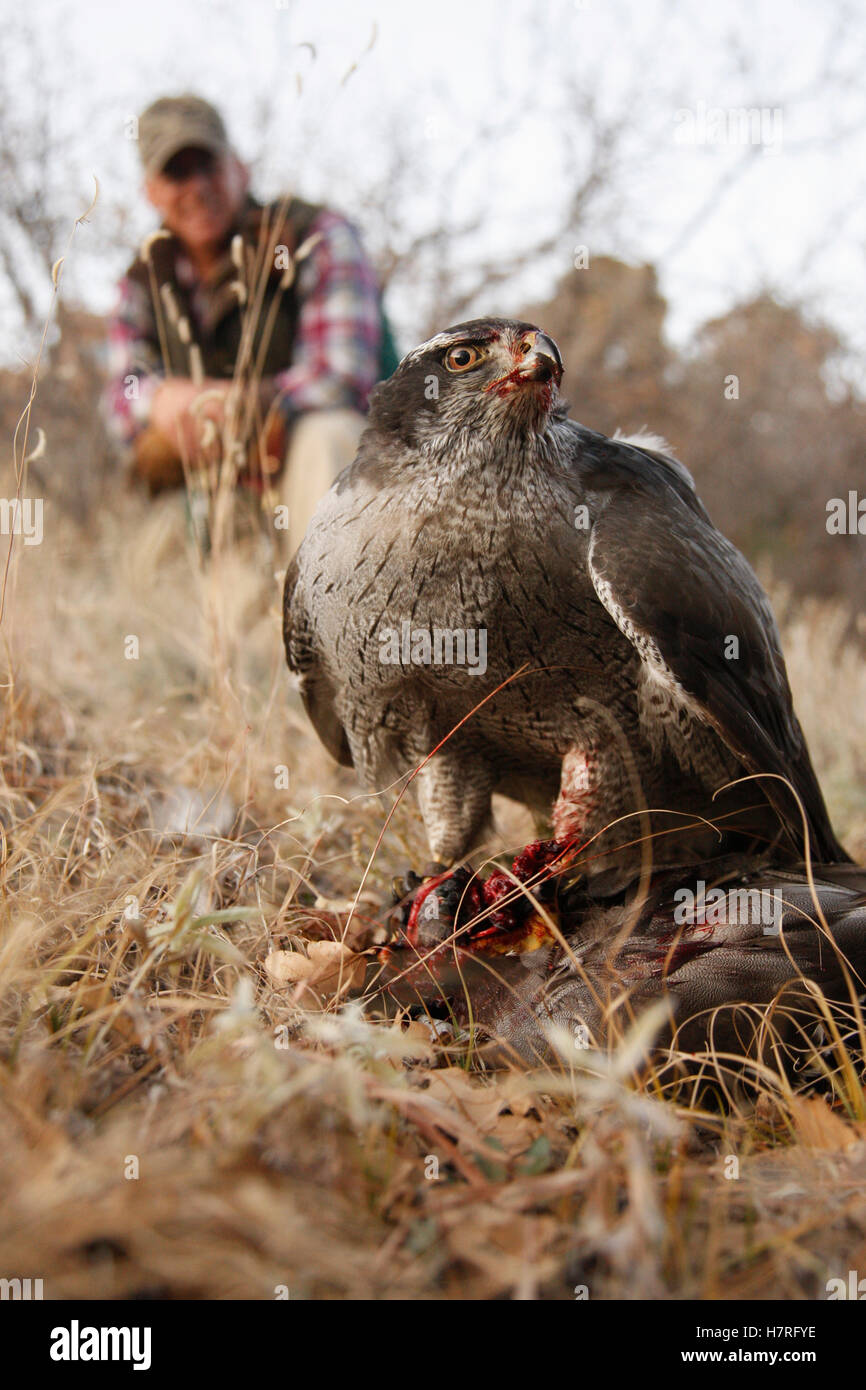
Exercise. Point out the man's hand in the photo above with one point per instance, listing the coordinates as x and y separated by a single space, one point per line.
179 431
156 460
180 408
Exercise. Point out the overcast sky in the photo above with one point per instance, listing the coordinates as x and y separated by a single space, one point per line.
720 218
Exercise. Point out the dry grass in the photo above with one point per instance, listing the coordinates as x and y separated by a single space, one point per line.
176 1124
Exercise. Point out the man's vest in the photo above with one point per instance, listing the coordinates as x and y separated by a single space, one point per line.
218 335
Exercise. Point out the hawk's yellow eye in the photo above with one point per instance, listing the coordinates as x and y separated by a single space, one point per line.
460 359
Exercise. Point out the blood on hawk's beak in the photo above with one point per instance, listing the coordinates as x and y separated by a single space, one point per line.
543 363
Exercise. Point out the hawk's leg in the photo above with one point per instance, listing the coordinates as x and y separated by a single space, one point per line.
595 791
454 795
582 791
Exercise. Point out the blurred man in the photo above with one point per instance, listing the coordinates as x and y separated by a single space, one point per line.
219 298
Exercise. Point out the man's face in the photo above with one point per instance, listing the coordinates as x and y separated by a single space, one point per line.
198 195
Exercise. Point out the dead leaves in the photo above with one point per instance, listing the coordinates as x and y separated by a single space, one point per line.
819 1127
469 1203
328 971
507 1249
496 1109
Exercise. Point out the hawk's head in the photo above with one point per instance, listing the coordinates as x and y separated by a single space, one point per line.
492 377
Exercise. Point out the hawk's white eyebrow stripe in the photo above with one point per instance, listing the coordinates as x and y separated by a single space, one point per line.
439 340
443 340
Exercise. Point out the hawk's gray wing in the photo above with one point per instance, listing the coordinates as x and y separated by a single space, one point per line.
678 590
316 689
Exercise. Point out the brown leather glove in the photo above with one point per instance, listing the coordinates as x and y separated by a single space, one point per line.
156 461
266 453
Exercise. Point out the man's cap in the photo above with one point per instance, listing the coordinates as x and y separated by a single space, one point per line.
178 123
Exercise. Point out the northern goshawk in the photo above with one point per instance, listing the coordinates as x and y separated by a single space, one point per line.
553 612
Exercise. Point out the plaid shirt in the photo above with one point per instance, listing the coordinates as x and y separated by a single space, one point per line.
337 346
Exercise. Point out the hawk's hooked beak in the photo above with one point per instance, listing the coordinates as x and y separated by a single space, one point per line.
538 360
542 362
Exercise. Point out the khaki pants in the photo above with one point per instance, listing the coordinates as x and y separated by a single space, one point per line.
323 442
